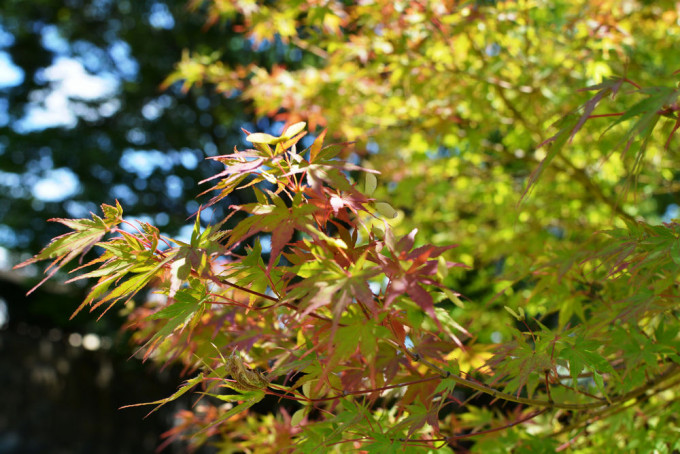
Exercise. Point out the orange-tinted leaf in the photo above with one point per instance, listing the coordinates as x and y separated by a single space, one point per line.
316 146
281 235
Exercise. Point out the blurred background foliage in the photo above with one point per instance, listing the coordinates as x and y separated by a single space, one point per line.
103 100
84 119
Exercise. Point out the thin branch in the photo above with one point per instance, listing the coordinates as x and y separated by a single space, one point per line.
616 114
639 394
509 397
311 48
221 280
488 431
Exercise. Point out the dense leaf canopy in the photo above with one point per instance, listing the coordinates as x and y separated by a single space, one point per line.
538 137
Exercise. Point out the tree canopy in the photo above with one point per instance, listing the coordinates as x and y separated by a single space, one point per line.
463 237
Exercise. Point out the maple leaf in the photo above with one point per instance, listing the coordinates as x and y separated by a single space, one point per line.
86 233
281 235
408 269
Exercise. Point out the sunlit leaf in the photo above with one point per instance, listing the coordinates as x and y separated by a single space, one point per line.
293 130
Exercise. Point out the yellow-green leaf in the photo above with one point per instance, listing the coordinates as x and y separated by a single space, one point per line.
370 184
294 130
386 210
261 137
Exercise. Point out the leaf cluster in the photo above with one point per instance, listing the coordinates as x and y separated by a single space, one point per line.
552 325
